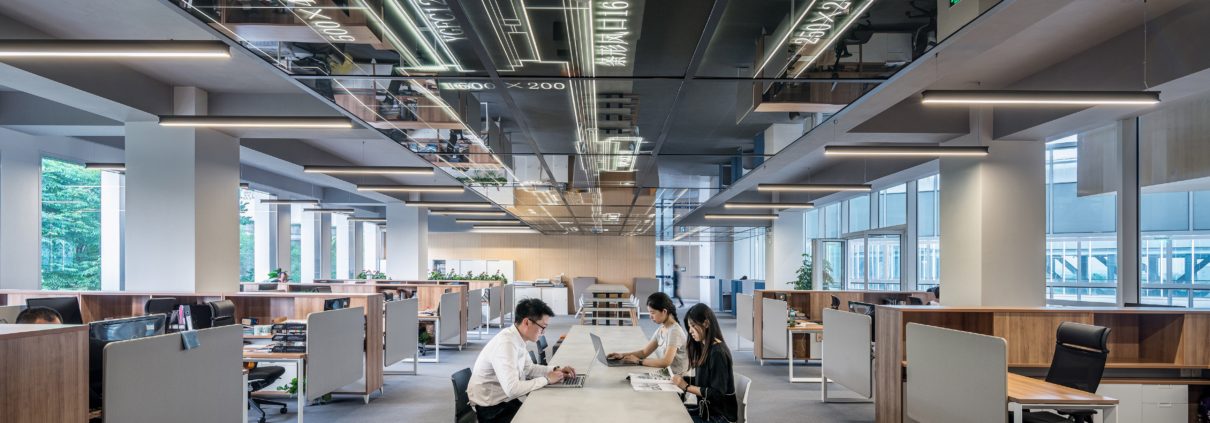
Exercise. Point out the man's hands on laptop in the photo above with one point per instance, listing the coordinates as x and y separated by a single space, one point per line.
554 376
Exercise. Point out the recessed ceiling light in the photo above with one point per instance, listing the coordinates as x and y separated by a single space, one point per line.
768 205
305 122
741 217
105 166
812 187
470 205
114 49
904 151
1075 98
409 188
369 170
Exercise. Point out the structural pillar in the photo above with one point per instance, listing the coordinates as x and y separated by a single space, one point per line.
264 225
282 232
344 247
358 248
993 227
112 265
182 189
20 218
786 252
407 242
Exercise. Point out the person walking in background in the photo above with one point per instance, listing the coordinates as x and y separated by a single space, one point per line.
676 283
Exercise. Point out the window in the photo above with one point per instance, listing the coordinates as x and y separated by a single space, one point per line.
1081 238
749 253
859 213
247 236
928 232
892 206
71 226
296 218
831 221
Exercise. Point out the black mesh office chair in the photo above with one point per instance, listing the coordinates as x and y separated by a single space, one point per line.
162 305
835 303
1079 361
915 301
463 413
890 301
542 344
222 313
936 290
261 377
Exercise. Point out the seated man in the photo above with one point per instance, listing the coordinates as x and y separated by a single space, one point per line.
39 316
503 372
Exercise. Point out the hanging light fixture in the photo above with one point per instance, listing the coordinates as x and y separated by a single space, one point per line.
302 122
368 219
468 213
739 205
369 170
278 201
812 187
741 217
105 166
465 204
328 210
411 188
114 49
904 151
1015 97
489 221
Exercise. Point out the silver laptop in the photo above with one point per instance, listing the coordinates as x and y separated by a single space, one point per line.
604 358
8 314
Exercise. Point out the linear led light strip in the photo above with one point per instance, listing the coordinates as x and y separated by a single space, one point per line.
503 230
369 170
768 205
468 213
782 42
276 201
256 122
813 187
852 18
410 188
904 151
489 221
114 48
105 166
741 217
328 210
471 205
1080 98
368 219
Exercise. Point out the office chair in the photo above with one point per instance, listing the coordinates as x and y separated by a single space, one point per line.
463 413
261 377
915 301
742 385
542 344
936 290
222 313
835 303
162 305
1079 361
889 301
533 356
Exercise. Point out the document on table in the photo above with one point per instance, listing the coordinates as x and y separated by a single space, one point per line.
652 382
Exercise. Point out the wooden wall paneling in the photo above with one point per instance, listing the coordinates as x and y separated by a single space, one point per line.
1031 336
1123 335
1160 337
1194 339
888 365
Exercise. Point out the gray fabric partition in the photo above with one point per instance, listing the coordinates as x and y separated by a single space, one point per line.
773 331
155 380
495 303
451 317
335 350
509 303
474 311
402 329
743 317
643 288
578 285
848 358
8 314
953 376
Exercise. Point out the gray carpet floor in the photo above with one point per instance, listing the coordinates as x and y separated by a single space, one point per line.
428 397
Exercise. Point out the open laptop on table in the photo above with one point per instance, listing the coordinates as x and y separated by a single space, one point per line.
578 381
603 358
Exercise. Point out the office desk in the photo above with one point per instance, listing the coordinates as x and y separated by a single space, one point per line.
45 371
299 359
436 321
606 395
1026 392
801 327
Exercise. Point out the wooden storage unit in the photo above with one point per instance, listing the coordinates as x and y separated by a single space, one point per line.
812 303
45 370
1147 346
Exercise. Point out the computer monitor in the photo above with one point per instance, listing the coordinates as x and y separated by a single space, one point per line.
128 328
266 286
389 296
68 308
336 304
861 308
314 289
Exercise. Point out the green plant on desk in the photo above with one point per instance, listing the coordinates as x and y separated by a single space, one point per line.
424 337
292 389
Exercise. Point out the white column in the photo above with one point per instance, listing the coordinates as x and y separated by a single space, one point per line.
263 225
993 226
324 248
20 216
309 247
281 239
343 246
407 240
786 251
181 189
1128 212
111 231
380 248
357 256
911 237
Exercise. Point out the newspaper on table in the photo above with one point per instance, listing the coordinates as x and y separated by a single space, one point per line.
660 381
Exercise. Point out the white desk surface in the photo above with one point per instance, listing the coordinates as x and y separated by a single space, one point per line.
607 288
606 395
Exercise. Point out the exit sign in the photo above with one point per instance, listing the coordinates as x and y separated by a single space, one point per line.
953 2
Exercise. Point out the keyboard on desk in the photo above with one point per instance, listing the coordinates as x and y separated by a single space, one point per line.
571 382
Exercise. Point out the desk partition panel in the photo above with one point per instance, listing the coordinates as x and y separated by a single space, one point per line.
402 329
953 376
743 317
495 304
474 311
450 315
847 354
335 350
155 380
773 329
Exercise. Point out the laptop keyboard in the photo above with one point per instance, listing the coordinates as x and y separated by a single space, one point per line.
579 379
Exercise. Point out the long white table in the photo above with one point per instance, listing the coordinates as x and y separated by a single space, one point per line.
606 395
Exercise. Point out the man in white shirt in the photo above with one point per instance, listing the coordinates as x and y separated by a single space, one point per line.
503 372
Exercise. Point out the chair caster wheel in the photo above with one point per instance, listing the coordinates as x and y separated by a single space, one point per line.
262 420
283 411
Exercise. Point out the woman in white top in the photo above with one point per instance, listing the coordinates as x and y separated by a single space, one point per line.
667 346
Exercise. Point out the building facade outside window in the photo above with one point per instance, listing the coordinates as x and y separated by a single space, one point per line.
1081 234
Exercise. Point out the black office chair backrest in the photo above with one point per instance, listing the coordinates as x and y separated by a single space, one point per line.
222 313
542 344
936 290
1080 354
890 301
463 413
67 307
160 305
915 301
835 303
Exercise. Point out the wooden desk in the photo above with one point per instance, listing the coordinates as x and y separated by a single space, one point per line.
1025 393
299 359
803 327
45 373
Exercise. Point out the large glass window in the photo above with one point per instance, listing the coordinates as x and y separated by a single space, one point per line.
831 221
71 226
892 206
296 218
247 236
928 233
859 213
749 253
1081 237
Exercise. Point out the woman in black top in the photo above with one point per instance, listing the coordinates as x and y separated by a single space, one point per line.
714 383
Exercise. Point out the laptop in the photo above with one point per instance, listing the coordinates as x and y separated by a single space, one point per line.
602 357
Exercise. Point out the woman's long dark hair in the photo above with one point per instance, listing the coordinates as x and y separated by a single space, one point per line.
660 301
702 316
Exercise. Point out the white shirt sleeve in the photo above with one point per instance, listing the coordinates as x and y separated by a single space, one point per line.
509 374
